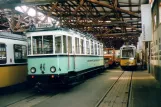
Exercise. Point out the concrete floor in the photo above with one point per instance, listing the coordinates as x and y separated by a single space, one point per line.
86 94
146 92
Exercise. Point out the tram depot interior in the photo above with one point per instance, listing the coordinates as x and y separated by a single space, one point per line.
80 53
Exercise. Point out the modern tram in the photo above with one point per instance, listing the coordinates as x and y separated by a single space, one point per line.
13 59
128 57
60 55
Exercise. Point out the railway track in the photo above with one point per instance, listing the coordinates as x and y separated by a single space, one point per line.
32 99
112 98
118 95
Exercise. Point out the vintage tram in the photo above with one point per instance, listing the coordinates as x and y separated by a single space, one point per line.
59 55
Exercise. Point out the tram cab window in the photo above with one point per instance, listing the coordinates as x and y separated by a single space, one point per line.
77 45
58 45
43 44
87 47
20 55
82 46
37 45
64 44
3 58
69 44
127 53
48 44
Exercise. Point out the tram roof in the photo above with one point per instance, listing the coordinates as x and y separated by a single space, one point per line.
9 35
87 35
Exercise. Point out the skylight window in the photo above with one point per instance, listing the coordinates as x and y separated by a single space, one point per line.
32 12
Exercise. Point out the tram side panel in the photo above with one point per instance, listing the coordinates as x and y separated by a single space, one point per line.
88 63
12 73
63 64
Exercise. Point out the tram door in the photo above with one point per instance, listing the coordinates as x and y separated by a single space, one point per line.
71 58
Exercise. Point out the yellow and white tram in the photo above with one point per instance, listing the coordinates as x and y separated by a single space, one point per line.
13 59
128 57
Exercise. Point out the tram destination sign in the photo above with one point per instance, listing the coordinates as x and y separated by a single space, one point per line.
44 25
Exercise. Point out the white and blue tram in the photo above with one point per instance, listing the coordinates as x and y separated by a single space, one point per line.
57 55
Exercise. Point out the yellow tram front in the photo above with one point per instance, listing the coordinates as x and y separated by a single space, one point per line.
128 56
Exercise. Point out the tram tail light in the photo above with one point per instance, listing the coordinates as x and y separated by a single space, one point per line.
32 76
52 76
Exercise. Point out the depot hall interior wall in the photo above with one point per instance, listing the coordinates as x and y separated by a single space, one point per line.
155 53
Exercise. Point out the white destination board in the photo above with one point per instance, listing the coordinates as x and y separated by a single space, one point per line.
146 22
44 25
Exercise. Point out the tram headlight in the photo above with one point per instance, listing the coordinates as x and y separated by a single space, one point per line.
33 70
52 69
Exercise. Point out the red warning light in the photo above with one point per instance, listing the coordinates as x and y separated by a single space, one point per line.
52 76
32 76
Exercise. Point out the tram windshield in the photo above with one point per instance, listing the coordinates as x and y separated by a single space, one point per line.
108 51
42 44
128 53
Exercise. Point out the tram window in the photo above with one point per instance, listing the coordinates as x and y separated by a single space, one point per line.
37 45
92 47
29 45
95 49
69 44
64 44
3 58
87 47
48 44
20 55
101 49
110 51
58 46
98 49
82 46
77 45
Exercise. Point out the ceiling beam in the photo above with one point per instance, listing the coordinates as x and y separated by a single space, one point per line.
78 7
111 7
115 34
91 16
